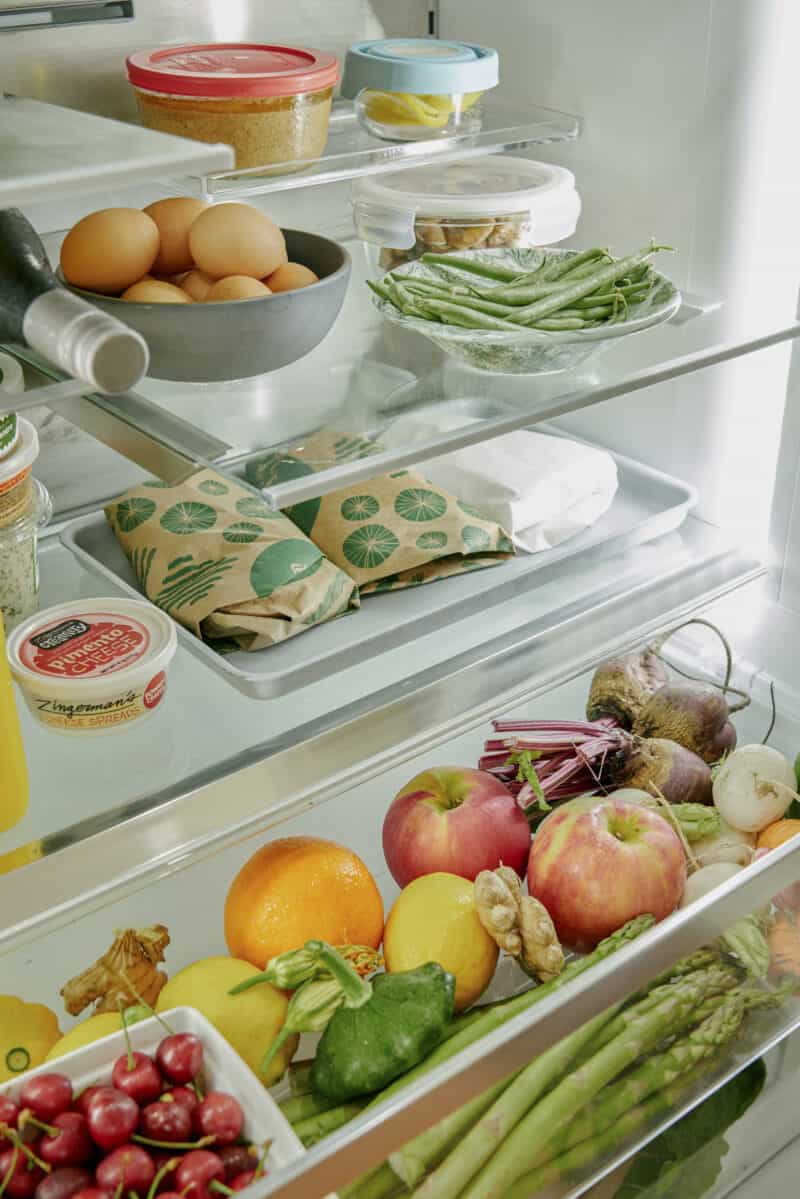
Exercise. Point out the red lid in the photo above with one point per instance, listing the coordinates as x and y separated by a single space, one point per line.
232 69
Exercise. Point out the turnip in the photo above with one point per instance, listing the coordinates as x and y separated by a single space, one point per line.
707 879
622 686
694 716
753 787
729 845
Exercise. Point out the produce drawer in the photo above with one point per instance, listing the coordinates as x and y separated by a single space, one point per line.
190 901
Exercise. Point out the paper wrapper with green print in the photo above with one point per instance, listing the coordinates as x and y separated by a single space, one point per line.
391 532
238 575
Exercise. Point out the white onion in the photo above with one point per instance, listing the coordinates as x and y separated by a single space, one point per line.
753 787
728 845
707 879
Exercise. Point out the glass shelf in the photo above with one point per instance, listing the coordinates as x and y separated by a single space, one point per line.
146 799
351 151
47 150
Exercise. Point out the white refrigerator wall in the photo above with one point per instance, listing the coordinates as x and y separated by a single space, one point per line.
689 131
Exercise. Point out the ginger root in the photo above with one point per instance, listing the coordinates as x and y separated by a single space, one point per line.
128 973
519 924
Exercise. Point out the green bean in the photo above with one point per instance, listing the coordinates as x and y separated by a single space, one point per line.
489 271
454 314
559 324
559 266
500 310
379 290
584 287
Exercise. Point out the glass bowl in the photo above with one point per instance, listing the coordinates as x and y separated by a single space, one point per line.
531 351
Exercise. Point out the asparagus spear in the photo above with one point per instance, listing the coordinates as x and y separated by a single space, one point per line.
300 1107
589 1151
299 1075
319 1125
496 1166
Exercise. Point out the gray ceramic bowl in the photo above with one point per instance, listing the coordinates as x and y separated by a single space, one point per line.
209 343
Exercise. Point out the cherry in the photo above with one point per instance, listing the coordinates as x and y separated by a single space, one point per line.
137 1075
195 1173
166 1122
93 1193
85 1098
160 1159
63 1183
243 1180
70 1144
180 1057
20 1176
130 1167
111 1118
220 1116
47 1095
183 1095
237 1159
9 1111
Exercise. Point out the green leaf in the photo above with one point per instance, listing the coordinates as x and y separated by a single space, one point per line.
419 504
369 546
526 773
686 1159
188 517
284 562
134 512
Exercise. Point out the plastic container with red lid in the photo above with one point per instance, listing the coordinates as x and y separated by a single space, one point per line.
271 103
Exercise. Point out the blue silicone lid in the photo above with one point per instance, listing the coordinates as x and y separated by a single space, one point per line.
422 66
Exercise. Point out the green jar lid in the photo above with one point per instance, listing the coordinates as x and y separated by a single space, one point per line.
9 432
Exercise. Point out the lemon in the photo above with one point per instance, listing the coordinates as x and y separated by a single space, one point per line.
249 1022
27 1031
85 1033
434 920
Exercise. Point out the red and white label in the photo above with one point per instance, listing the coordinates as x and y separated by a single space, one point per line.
154 691
86 646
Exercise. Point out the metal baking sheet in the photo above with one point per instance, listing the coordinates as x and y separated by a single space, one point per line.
648 504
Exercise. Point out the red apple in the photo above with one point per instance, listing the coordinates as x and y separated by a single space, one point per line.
456 820
597 863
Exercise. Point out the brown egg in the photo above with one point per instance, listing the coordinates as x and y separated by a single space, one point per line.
236 239
290 276
109 250
174 218
196 284
177 279
236 287
155 291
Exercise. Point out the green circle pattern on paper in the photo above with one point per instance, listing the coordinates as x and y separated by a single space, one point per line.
418 504
359 507
504 545
134 512
251 505
242 532
284 562
476 539
188 517
370 546
213 487
434 540
470 509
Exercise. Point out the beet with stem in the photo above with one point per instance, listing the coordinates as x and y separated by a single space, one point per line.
658 765
696 717
622 686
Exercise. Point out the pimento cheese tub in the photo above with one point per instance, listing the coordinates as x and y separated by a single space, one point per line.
93 665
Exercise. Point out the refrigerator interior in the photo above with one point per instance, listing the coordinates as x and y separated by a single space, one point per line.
688 123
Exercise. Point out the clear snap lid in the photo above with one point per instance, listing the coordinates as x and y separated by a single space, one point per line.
386 207
422 66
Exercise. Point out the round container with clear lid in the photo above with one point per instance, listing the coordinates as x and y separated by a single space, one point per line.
498 201
19 557
271 103
406 89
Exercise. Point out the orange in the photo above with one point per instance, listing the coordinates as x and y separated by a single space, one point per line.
775 834
296 889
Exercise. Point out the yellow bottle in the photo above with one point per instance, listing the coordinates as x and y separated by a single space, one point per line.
13 768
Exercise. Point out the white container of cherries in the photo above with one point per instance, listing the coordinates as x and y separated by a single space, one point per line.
163 1110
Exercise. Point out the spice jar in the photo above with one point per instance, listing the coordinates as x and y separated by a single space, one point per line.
25 508
271 103
491 203
406 89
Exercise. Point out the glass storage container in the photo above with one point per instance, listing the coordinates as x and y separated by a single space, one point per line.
408 89
271 103
484 203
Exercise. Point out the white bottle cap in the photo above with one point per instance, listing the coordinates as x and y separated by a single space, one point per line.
85 342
